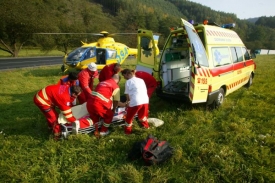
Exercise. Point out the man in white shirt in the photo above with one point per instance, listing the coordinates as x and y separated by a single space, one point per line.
137 100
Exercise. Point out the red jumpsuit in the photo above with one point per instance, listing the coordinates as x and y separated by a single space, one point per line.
99 105
53 96
86 82
64 80
150 81
107 72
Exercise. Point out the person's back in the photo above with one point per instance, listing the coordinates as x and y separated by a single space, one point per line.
150 81
103 92
108 71
104 101
137 91
137 100
56 95
52 96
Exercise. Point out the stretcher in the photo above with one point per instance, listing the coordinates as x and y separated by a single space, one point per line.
80 111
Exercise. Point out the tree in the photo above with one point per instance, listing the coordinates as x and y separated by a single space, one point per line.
19 20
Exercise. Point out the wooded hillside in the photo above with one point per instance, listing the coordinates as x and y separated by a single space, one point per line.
20 19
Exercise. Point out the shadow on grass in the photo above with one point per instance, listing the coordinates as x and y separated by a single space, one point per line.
163 105
22 117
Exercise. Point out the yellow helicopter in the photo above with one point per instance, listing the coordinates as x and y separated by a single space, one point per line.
103 52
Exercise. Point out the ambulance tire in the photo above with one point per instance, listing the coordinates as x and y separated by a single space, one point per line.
250 81
219 100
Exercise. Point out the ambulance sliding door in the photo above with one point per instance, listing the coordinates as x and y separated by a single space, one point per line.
241 75
199 65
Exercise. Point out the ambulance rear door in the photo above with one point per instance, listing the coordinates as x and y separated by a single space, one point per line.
200 76
147 52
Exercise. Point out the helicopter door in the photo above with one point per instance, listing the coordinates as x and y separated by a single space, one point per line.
101 56
199 61
147 51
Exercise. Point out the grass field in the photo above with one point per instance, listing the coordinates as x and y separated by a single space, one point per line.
30 52
235 143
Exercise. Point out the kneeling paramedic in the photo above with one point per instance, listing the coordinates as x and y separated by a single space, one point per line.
104 101
52 96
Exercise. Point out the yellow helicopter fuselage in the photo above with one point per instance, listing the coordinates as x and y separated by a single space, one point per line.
103 52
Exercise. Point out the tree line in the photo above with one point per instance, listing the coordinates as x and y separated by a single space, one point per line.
22 20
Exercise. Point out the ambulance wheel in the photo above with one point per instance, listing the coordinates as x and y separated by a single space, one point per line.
250 81
219 100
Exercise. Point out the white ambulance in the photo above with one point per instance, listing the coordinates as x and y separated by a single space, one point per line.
200 63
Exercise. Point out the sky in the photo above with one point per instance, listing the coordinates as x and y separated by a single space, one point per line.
244 9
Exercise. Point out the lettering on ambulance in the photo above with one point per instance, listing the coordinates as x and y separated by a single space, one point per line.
203 75
202 81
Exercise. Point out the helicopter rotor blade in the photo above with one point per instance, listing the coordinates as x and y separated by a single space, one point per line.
102 33
49 33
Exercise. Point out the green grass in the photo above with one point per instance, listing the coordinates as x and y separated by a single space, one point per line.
30 52
235 143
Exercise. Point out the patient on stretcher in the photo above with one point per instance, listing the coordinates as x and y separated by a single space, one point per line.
80 112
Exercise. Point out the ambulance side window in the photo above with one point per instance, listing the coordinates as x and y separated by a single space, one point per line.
221 56
239 54
234 54
246 54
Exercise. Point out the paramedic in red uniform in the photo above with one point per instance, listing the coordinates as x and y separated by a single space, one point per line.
137 100
108 71
59 96
103 102
150 81
86 81
70 80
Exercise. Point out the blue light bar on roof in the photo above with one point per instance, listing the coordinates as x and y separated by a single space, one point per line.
228 26
191 22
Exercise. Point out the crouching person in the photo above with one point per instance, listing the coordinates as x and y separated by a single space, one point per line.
103 102
52 96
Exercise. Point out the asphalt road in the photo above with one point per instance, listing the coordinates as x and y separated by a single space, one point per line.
14 63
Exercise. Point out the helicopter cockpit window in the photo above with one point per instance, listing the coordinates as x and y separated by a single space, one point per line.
81 53
77 54
89 53
146 43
